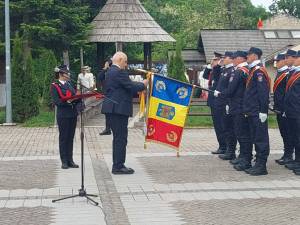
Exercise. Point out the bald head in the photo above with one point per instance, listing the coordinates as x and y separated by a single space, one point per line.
120 59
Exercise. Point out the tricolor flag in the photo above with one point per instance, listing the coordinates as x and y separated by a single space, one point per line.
168 108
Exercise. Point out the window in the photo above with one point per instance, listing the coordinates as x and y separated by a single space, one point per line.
296 33
270 34
283 34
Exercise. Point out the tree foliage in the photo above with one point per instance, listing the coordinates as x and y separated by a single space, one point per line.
291 7
24 91
176 67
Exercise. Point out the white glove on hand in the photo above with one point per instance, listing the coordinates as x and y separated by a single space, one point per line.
284 115
227 109
263 117
216 93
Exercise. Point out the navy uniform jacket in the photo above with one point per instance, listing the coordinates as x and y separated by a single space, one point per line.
101 79
236 89
222 86
213 80
279 89
256 97
292 96
64 109
121 89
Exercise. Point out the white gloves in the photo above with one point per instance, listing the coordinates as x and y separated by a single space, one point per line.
284 115
263 117
216 93
227 109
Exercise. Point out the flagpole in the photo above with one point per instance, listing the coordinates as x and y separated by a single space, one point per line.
148 92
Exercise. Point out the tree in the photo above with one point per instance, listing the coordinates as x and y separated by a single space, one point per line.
291 7
176 68
43 71
24 91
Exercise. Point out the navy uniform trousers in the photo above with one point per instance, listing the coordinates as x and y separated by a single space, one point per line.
286 135
66 127
218 117
294 126
118 124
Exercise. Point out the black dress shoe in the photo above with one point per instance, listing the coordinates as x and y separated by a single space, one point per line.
297 172
219 151
123 170
284 161
235 161
105 132
242 166
65 166
72 165
227 156
293 165
258 170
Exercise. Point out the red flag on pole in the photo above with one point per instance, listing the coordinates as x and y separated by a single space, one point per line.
260 24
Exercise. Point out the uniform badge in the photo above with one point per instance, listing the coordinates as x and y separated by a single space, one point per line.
160 86
182 92
231 79
172 136
260 78
165 111
151 130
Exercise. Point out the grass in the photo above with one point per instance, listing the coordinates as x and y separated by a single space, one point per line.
44 119
206 121
2 115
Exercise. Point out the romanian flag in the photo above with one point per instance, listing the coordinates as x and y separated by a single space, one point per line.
168 108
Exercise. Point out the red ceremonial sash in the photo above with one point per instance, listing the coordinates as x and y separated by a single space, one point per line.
292 80
245 70
264 72
278 81
61 95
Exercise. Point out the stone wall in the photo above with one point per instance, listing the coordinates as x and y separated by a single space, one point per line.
282 22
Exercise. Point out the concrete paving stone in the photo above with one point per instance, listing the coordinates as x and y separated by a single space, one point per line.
51 192
202 196
32 202
14 203
249 194
2 203
233 195
295 193
17 193
34 192
280 183
281 194
265 194
4 193
217 195
26 216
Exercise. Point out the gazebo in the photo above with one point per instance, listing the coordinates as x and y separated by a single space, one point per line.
125 21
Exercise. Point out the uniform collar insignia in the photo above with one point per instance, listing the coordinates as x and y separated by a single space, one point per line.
253 64
282 69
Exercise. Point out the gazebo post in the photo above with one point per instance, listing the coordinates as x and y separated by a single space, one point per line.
147 55
100 55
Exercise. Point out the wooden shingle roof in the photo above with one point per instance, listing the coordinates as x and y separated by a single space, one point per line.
126 21
232 40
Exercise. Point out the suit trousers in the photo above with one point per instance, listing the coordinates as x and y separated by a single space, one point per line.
288 142
66 127
218 116
260 138
119 126
294 125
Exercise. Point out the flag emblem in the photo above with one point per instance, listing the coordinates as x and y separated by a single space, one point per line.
172 137
160 86
165 111
182 92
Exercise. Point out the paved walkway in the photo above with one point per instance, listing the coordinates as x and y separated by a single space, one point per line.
196 188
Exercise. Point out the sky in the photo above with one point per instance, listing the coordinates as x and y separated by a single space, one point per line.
265 3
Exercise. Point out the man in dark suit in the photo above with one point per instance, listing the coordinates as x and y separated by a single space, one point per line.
118 107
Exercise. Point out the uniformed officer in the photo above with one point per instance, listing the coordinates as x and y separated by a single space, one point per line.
292 111
235 93
66 115
255 107
213 73
279 93
225 121
120 89
101 79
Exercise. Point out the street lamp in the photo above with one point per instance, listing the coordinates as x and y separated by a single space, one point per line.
7 65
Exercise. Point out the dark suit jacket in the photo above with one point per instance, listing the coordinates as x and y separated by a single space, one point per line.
121 89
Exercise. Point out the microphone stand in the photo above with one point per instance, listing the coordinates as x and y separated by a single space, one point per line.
82 191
